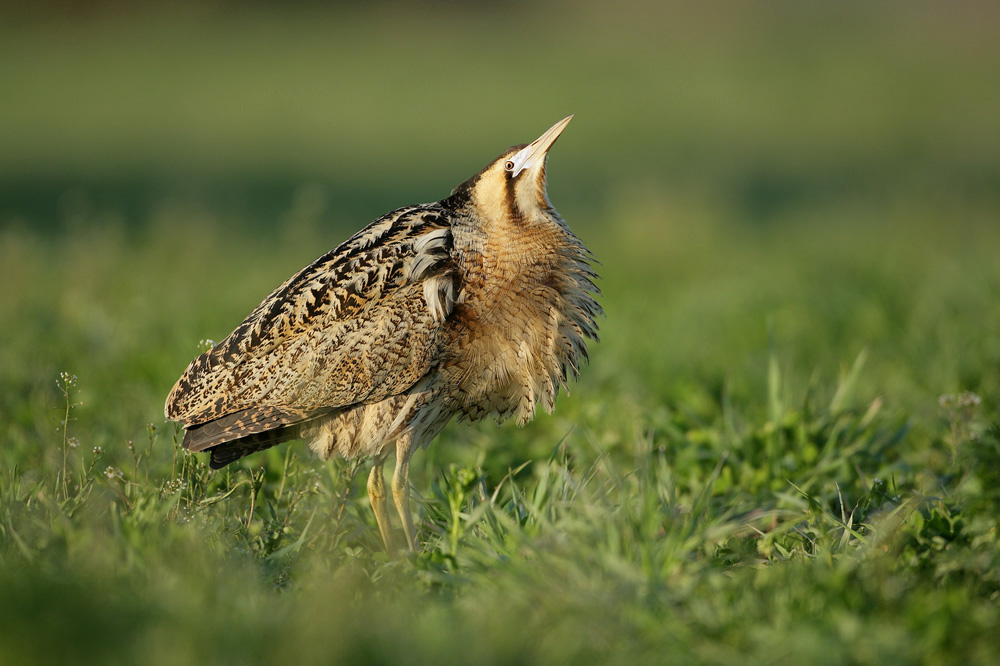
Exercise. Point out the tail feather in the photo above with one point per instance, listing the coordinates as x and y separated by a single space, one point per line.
231 451
239 434
239 424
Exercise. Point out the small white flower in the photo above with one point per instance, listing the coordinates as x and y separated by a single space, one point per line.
969 399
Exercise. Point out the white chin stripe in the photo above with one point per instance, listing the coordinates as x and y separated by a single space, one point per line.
521 161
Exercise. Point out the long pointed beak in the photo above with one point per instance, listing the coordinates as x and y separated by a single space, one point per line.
535 152
542 144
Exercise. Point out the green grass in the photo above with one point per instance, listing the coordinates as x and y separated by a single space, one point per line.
786 447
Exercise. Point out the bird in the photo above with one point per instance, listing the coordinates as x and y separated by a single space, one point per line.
479 305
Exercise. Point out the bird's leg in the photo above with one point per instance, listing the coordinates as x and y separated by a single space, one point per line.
401 488
376 494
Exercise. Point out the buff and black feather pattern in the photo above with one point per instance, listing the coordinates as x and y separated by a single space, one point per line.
423 316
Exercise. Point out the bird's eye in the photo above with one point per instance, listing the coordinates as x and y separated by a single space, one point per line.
509 165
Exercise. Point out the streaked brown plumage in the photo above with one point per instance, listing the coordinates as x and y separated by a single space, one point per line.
475 306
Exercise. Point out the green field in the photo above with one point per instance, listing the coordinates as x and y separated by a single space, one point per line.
786 448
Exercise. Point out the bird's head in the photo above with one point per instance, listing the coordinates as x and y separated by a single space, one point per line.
512 187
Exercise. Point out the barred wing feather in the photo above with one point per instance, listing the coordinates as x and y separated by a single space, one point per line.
361 323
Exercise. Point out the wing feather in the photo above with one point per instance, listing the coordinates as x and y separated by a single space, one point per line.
354 326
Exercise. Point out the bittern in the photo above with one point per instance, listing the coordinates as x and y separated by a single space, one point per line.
478 305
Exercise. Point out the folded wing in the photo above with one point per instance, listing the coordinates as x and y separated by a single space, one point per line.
360 324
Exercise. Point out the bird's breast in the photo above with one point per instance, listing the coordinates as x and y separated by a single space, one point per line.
501 338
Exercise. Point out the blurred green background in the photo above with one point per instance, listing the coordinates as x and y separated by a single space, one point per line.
777 192
832 172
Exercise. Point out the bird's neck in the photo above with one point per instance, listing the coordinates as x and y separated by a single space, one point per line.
508 252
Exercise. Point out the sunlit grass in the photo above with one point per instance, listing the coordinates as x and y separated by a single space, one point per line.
712 483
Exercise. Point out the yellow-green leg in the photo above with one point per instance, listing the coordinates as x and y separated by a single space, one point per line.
376 494
401 489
